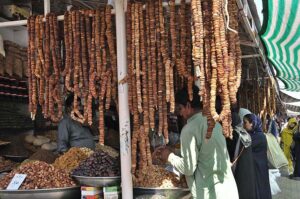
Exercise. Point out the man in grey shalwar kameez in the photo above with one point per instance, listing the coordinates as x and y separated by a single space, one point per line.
72 133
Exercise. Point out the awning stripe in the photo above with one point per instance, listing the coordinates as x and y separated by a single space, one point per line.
282 40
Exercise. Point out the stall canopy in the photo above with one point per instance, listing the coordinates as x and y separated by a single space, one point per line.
287 98
281 37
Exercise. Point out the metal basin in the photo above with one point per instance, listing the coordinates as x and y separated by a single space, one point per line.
98 181
160 193
58 193
16 158
5 170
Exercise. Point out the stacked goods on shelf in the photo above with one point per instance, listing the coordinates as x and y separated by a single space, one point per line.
15 62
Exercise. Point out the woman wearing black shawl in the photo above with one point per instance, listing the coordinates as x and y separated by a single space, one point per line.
296 149
240 152
259 151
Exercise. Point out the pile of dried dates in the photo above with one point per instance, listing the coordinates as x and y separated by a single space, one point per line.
99 164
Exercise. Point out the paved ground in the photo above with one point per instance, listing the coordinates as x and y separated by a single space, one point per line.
290 188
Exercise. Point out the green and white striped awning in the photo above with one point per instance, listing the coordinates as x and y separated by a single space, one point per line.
281 37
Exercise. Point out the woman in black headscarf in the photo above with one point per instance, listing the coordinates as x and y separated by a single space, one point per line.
240 152
253 126
296 151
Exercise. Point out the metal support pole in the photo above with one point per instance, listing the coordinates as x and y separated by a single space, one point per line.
47 7
124 119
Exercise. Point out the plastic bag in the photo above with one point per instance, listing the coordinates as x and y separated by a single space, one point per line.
172 169
273 174
156 140
276 157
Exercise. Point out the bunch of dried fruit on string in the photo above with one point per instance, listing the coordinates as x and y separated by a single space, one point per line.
40 175
216 58
153 68
138 71
273 97
269 101
88 68
44 66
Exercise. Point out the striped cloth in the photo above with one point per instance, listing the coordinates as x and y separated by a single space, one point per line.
281 37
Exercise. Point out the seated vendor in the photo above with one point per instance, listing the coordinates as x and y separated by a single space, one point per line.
72 133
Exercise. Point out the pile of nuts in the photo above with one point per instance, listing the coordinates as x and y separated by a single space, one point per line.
107 149
88 152
71 159
157 177
40 175
6 164
100 164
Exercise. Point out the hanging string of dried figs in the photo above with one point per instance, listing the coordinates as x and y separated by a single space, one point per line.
221 62
88 69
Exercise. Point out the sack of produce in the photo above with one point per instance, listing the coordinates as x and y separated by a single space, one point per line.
29 139
40 140
18 68
49 146
41 136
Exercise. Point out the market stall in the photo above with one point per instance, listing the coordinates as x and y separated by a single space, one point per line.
124 61
86 68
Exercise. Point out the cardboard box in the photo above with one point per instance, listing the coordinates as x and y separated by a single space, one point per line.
112 192
91 193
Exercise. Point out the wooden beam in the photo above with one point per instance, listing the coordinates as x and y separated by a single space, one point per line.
250 56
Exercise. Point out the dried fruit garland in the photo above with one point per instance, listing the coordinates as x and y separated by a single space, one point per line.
88 69
217 60
150 77
55 107
262 94
112 51
29 51
147 76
